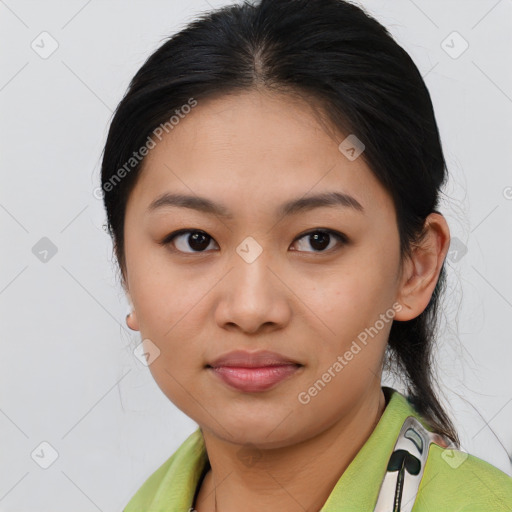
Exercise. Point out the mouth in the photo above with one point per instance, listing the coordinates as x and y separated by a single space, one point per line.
252 379
253 371
259 359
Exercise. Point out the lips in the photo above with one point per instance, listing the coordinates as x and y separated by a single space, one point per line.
244 359
252 372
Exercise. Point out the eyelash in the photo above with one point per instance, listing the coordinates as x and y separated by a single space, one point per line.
340 237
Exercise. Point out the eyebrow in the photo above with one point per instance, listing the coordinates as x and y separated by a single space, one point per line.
303 204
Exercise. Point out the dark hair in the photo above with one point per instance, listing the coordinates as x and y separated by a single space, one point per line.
335 54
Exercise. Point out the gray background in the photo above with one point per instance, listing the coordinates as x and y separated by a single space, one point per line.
68 373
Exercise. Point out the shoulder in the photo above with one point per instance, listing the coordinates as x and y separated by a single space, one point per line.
458 481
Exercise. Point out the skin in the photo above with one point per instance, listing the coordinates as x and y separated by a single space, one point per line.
252 151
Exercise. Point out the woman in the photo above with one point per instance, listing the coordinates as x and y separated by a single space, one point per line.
271 180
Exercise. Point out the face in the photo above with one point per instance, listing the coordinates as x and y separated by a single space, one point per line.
316 283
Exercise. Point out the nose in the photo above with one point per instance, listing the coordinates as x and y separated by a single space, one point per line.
253 297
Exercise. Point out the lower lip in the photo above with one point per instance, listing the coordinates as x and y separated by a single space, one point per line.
255 379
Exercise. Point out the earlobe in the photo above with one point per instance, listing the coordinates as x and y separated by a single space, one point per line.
407 310
422 270
131 317
132 322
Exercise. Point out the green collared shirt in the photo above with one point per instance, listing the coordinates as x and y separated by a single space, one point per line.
452 480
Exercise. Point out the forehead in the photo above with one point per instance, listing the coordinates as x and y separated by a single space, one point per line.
254 149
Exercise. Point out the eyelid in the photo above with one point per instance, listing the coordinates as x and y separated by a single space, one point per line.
341 238
170 237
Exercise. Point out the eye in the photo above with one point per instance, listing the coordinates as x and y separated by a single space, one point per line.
321 239
185 239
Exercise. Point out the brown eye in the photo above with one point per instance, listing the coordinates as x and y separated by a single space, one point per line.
321 240
189 241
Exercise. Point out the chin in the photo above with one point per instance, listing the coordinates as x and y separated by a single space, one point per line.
257 434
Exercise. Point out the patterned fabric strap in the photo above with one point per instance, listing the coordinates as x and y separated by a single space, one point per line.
405 467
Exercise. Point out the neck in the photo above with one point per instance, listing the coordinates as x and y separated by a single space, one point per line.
254 479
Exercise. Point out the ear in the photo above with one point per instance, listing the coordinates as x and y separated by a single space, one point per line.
421 271
131 319
132 322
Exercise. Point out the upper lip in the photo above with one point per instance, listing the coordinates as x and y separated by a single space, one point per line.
244 359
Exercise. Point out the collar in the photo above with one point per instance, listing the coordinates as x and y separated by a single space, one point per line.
173 486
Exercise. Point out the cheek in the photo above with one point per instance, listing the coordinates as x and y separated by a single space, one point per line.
172 311
350 295
350 303
156 288
175 374
167 309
